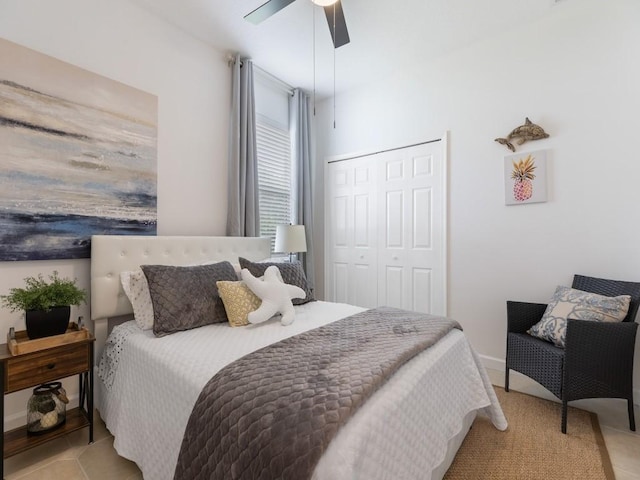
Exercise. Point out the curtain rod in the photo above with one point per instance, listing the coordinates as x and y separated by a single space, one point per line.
288 88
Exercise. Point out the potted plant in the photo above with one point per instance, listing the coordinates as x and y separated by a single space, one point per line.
47 304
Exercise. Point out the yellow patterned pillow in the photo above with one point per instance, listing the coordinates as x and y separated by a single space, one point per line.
238 301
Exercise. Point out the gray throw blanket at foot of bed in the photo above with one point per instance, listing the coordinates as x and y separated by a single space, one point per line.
272 413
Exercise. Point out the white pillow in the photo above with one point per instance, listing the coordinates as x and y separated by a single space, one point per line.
238 269
135 285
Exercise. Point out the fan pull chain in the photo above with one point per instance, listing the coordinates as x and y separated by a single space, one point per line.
334 67
314 61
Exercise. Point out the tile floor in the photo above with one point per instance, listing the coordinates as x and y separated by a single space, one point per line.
70 458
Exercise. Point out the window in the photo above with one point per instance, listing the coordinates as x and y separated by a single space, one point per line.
274 177
273 143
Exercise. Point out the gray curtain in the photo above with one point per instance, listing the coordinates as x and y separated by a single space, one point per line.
243 217
302 156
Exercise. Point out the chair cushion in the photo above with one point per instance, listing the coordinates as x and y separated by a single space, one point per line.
576 304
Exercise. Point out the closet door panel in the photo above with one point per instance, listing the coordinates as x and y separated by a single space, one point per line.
422 222
409 193
386 229
363 294
422 288
393 286
341 281
351 234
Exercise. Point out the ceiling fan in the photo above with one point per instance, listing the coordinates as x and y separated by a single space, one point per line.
339 33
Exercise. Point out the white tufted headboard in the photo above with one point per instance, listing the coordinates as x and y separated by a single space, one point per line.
112 254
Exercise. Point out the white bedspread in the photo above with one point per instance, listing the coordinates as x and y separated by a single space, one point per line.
157 381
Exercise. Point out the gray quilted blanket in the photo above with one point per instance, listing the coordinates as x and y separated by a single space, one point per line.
272 413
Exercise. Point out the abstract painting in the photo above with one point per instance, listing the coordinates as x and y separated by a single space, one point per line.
525 178
77 157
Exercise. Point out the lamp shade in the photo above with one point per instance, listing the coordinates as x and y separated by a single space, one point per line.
290 239
324 3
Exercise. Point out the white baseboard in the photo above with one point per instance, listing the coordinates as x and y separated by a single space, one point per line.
493 363
499 364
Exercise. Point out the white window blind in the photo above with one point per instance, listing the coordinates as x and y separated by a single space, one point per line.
274 177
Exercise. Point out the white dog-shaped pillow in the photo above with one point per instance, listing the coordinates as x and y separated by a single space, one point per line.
275 295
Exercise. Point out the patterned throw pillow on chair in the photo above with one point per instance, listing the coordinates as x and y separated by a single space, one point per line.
576 304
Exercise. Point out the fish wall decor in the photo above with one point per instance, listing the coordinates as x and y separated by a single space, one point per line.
526 132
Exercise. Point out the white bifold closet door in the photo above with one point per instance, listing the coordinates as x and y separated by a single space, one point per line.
385 237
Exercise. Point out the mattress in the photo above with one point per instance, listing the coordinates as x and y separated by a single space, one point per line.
149 387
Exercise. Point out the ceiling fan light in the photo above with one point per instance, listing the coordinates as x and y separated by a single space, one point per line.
324 3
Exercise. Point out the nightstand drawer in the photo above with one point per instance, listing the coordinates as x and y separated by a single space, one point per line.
24 371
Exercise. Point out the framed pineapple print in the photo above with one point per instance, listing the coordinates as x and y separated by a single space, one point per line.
525 178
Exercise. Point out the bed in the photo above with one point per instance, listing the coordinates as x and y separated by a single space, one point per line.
411 427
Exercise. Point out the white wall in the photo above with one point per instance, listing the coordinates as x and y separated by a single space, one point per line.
192 82
576 73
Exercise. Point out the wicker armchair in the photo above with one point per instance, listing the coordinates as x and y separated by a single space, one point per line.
597 361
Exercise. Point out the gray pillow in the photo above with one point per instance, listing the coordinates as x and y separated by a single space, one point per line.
186 297
292 273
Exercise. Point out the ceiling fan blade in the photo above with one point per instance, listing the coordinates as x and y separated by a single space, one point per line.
266 10
341 35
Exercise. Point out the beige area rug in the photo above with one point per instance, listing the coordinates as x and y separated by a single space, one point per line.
533 446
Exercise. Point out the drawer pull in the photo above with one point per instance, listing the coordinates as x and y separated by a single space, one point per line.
51 366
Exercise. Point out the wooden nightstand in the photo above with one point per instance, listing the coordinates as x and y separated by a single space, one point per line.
31 369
